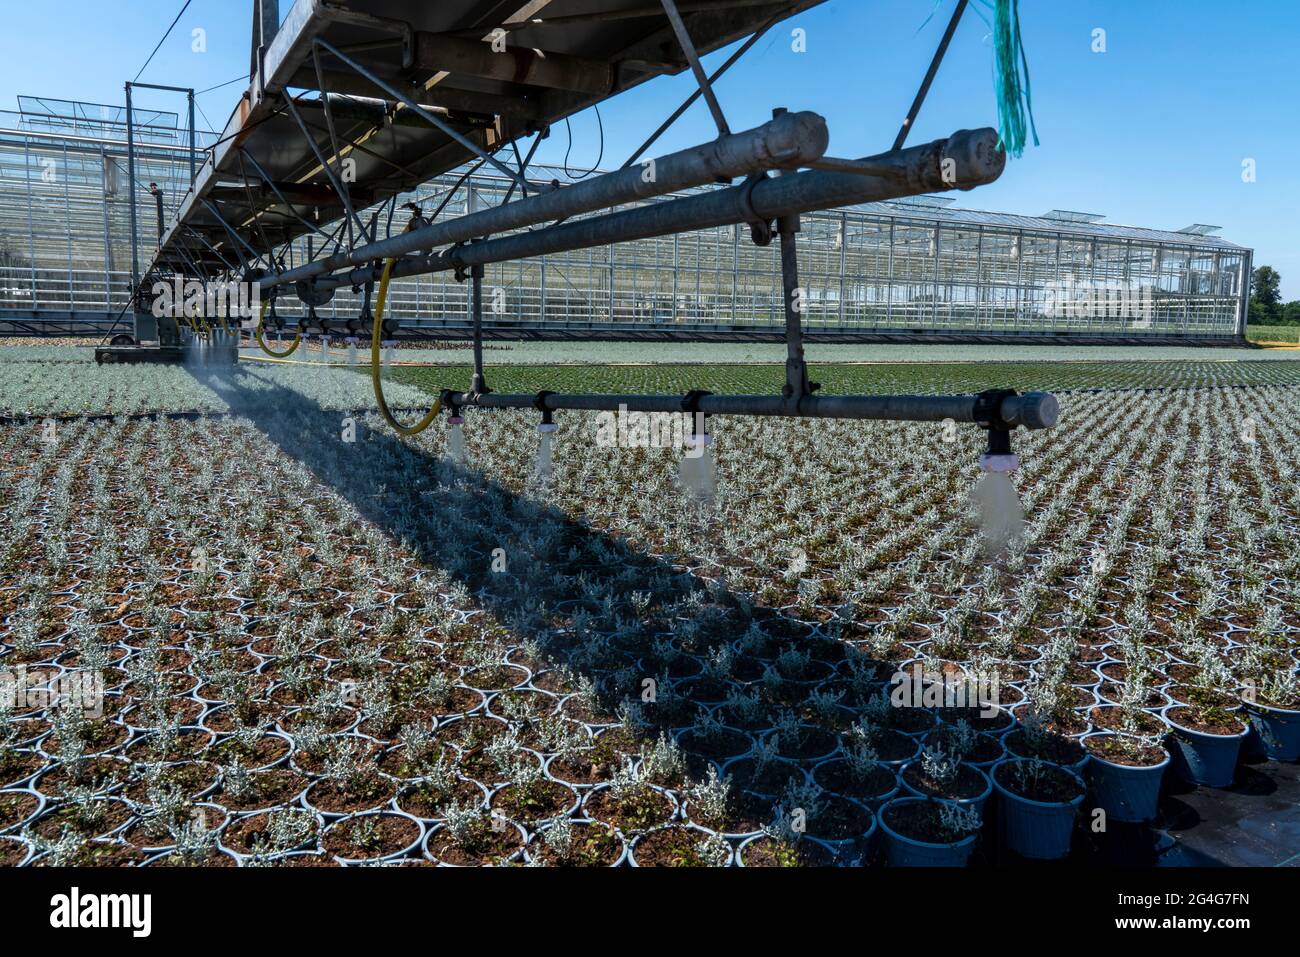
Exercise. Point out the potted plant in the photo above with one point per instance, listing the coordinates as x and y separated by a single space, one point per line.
1273 707
1205 742
920 832
1037 807
629 802
372 836
680 845
570 842
470 836
1125 772
942 775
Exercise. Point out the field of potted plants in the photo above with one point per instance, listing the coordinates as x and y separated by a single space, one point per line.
314 643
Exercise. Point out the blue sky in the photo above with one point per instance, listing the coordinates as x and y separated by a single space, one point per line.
1152 132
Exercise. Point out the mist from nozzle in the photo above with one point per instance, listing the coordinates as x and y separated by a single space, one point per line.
456 444
543 470
698 474
1002 517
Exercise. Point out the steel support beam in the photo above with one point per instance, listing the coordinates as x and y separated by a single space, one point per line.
787 142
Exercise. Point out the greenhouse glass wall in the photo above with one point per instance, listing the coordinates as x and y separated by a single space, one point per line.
920 268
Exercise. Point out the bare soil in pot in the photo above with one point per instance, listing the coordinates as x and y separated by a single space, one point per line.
1211 720
966 785
484 845
427 800
266 789
12 853
16 806
725 744
839 775
768 852
592 845
268 749
95 818
370 836
101 854
19 765
1119 749
1204 698
1052 747
190 778
364 793
640 809
245 834
534 801
1112 719
745 813
839 819
769 778
1050 785
671 846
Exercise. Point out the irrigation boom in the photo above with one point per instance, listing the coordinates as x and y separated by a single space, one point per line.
406 90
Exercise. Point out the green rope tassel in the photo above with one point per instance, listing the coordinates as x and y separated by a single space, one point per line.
1015 103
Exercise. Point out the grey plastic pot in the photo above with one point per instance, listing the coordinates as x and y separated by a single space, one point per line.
1201 758
308 845
579 822
417 842
1127 793
160 859
1036 829
1275 731
976 803
904 851
703 833
519 854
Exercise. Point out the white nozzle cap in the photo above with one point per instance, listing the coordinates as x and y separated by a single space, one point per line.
999 463
694 440
547 427
456 420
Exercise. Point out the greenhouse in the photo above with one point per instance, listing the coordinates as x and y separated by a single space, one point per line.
919 267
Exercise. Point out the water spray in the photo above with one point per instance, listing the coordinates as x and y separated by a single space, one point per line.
543 470
455 433
697 472
1002 518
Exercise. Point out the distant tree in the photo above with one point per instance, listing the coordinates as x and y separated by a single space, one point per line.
1291 313
1265 297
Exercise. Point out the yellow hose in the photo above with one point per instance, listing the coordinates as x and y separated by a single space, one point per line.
194 325
261 317
429 416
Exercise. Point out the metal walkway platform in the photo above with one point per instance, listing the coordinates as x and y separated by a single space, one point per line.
488 72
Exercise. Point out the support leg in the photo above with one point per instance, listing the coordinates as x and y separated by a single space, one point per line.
797 386
478 384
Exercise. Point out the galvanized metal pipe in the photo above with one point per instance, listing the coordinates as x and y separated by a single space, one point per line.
788 142
967 159
1032 410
